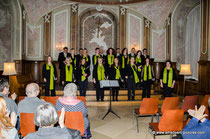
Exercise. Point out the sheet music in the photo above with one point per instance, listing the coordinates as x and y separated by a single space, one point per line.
109 83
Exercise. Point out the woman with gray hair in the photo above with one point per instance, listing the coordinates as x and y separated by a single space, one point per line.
46 117
72 104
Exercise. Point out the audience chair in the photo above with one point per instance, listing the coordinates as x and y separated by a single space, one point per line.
169 103
205 103
74 120
171 123
27 124
51 99
21 98
189 103
82 98
148 107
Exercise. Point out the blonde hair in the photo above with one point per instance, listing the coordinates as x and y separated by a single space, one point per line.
5 121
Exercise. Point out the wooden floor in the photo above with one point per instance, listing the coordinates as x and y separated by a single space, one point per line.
122 98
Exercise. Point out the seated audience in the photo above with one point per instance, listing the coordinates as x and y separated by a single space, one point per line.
46 117
4 92
198 127
71 103
7 124
31 102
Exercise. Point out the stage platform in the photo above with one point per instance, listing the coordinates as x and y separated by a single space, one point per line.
122 98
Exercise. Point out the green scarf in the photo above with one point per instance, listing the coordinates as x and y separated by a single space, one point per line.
145 73
117 72
95 59
83 72
86 58
69 73
138 60
135 74
51 68
110 60
123 61
170 76
100 72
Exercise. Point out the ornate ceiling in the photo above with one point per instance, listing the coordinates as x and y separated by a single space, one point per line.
108 2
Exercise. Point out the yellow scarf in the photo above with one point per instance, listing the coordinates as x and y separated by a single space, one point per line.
110 60
135 74
83 72
123 61
100 72
95 59
117 72
85 58
51 68
170 76
69 73
145 73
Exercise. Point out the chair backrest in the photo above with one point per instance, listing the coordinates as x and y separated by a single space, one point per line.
21 98
149 106
82 98
51 99
74 120
170 103
189 103
172 120
27 123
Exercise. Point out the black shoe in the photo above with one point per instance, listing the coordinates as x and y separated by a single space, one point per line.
116 99
102 100
97 99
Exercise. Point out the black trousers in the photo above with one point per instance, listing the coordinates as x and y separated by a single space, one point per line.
131 87
66 82
47 89
60 77
167 91
99 92
146 89
115 92
123 73
83 87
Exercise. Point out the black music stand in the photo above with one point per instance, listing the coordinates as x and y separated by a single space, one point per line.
109 84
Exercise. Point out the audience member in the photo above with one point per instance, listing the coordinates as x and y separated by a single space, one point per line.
7 124
31 102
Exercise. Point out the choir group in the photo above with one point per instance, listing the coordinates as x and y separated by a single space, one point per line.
129 69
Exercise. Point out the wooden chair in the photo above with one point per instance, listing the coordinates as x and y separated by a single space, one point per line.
74 120
82 98
51 99
148 107
27 124
171 123
20 98
189 103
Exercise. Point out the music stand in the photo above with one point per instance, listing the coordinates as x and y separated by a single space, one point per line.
109 84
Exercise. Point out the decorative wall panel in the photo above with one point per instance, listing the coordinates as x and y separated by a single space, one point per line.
34 42
134 32
159 45
60 32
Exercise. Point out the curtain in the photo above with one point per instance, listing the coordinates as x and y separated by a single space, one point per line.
192 43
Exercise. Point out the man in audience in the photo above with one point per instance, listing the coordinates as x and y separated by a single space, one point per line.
4 92
198 127
31 102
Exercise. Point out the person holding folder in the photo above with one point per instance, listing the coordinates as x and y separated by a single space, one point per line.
99 74
83 74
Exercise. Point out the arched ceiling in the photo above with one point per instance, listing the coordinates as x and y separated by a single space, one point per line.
154 10
107 2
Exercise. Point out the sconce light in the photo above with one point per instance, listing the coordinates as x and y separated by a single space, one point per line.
60 46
